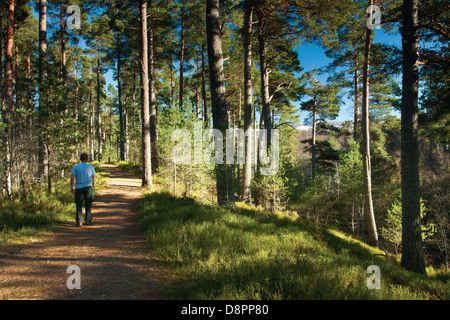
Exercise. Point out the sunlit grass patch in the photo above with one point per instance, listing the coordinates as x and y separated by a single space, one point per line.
247 253
31 215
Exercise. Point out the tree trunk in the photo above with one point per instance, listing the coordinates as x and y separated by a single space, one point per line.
8 96
368 202
225 194
43 107
412 251
313 140
119 88
265 97
17 86
247 181
1 59
63 58
152 101
91 127
172 84
133 98
197 90
356 97
205 107
75 105
145 104
99 113
125 131
182 55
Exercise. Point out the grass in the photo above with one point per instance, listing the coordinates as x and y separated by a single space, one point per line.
31 215
128 166
245 253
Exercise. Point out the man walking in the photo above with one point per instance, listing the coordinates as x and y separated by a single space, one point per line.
84 174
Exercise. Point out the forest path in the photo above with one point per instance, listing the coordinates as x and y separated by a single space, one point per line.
113 258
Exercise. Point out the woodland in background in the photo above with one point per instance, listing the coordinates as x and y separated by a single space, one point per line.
234 64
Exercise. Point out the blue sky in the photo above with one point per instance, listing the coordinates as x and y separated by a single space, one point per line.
312 56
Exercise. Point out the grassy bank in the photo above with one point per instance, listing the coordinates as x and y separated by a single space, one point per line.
244 253
33 214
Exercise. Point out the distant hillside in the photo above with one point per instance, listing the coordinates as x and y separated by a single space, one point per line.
308 127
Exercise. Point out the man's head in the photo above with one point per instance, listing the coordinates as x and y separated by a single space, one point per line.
84 157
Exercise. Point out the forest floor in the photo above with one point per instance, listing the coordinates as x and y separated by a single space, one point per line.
115 261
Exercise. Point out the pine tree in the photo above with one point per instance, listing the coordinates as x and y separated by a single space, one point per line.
225 193
99 38
145 96
412 251
247 179
367 168
351 186
8 102
323 105
43 172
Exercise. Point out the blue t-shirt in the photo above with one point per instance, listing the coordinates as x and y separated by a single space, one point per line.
84 173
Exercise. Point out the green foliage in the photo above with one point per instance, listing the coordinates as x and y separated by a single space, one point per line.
351 186
392 227
35 213
282 189
246 253
335 191
325 101
269 191
350 169
191 179
127 166
318 198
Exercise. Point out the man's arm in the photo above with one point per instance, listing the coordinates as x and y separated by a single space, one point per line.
72 181
93 180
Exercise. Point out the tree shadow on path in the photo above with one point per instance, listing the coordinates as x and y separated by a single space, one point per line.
114 260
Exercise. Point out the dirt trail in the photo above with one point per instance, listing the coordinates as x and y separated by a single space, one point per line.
113 258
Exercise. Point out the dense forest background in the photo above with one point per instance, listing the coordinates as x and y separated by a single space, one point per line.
132 72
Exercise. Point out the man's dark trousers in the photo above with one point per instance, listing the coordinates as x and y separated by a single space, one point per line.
85 195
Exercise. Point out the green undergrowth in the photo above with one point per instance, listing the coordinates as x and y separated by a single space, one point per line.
133 168
32 214
245 253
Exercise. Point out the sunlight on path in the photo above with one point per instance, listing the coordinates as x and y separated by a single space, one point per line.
114 259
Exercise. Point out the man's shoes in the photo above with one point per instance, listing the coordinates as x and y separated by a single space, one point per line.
88 223
79 224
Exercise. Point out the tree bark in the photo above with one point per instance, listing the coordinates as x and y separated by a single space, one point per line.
145 104
224 178
43 107
125 130
368 201
1 59
119 88
99 113
63 58
8 95
75 105
205 107
152 101
356 114
247 181
172 84
412 251
182 54
265 96
313 140
197 90
91 124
